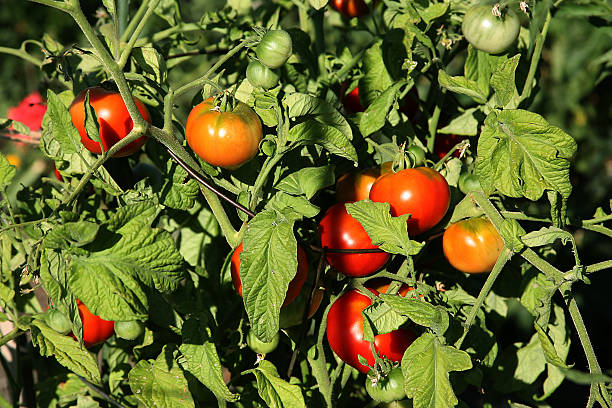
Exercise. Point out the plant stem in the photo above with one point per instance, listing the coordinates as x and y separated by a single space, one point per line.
13 334
535 59
60 5
125 53
23 224
598 266
17 52
129 30
504 256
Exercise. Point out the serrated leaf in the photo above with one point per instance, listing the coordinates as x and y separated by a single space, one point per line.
66 351
545 236
92 127
301 105
268 263
433 11
390 233
307 181
151 62
380 318
376 78
179 191
71 234
6 294
375 116
464 124
480 65
511 232
317 4
426 365
462 85
419 311
7 171
332 139
548 347
520 154
62 129
537 295
503 83
300 204
110 6
202 359
276 392
160 383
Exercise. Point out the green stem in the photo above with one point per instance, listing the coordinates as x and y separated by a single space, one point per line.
302 15
504 256
344 71
535 59
461 145
13 334
318 364
129 30
600 266
597 220
125 53
433 121
17 52
225 224
262 177
319 42
23 224
600 229
60 5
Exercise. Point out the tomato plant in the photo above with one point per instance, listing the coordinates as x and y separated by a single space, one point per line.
350 100
129 330
421 192
339 230
388 388
274 48
444 143
95 329
350 8
261 347
293 313
294 287
472 245
260 75
469 183
345 333
58 321
114 120
488 32
225 139
356 185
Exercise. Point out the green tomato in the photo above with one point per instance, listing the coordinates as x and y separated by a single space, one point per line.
490 33
389 388
416 154
274 48
259 346
58 321
469 183
129 330
260 75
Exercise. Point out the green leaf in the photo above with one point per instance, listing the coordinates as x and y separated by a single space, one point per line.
268 263
71 234
276 392
536 296
545 236
307 181
202 359
62 129
169 10
579 377
151 62
179 191
503 83
391 233
110 6
375 116
380 318
426 365
303 105
462 85
6 294
480 65
332 139
419 311
511 232
300 204
317 4
91 122
376 78
7 172
66 351
433 11
549 349
520 154
160 383
464 124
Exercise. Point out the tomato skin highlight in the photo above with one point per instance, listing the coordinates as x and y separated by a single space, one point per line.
339 230
350 8
472 246
421 192
224 139
489 33
294 286
389 388
274 48
345 333
95 329
113 119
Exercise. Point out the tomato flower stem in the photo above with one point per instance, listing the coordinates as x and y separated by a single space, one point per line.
134 21
535 59
125 53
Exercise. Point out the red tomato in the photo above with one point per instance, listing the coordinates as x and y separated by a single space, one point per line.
421 192
30 111
294 286
472 246
356 185
350 8
57 173
113 119
381 285
339 230
351 101
446 142
345 333
95 329
225 139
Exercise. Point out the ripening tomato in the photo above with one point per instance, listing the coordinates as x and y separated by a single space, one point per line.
345 333
350 8
225 139
260 75
274 48
445 142
293 313
294 286
473 245
95 329
488 32
339 230
129 330
261 347
416 155
389 388
58 321
421 192
356 185
113 119
469 183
